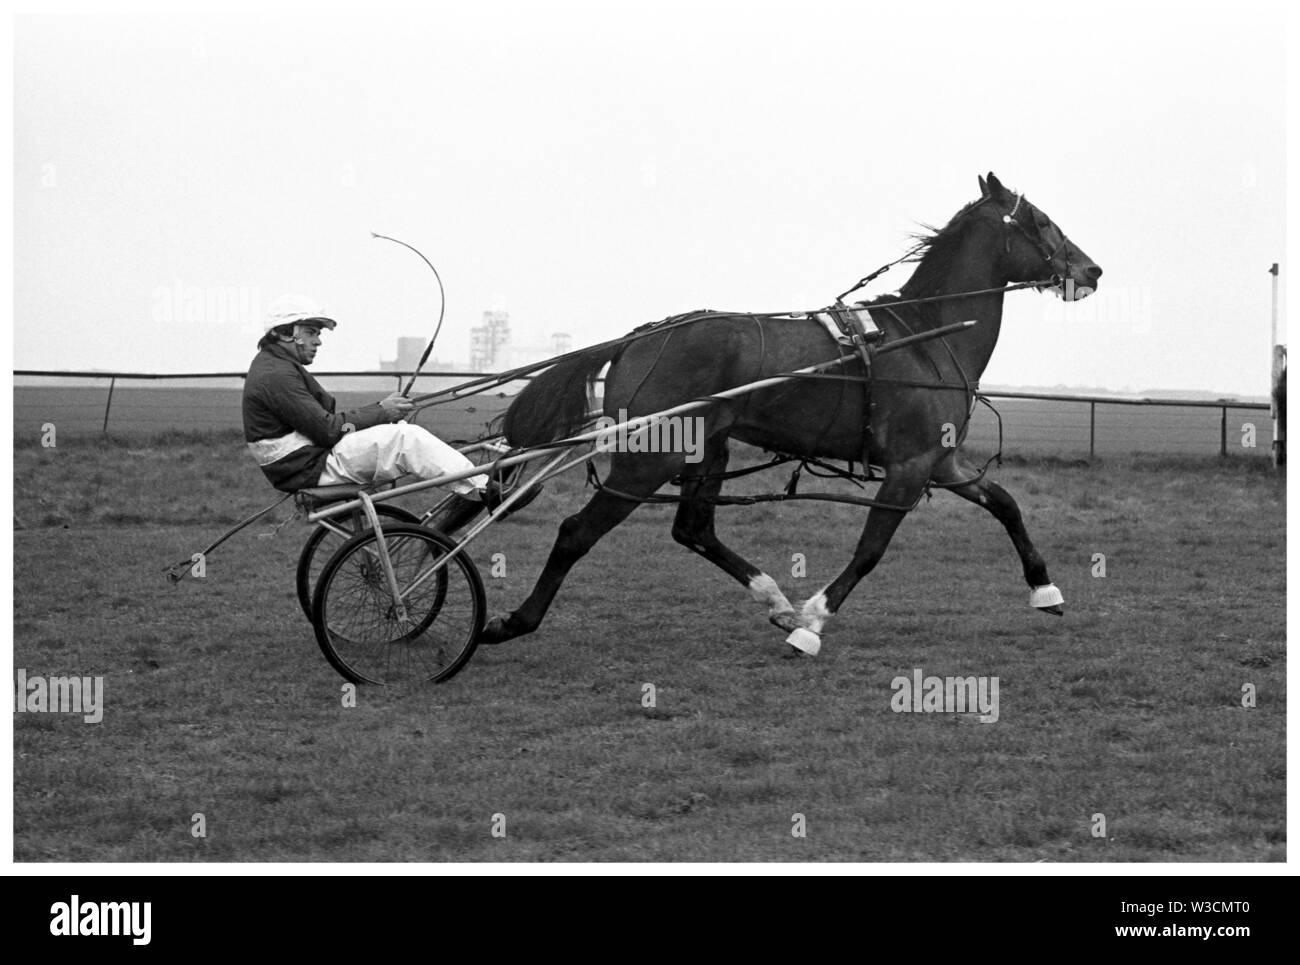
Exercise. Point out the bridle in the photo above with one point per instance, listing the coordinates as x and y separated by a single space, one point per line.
1010 221
1007 219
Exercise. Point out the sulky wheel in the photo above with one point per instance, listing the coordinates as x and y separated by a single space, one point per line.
358 626
323 542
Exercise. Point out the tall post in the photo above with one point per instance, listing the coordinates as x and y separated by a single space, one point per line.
112 384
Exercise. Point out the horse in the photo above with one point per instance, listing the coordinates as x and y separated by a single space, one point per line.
903 419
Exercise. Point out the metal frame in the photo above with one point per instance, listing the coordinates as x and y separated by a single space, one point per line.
556 464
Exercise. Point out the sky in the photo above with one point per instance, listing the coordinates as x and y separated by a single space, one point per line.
590 167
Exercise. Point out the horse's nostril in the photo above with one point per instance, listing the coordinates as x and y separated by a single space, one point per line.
1094 272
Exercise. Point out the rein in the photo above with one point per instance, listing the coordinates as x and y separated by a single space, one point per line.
676 321
489 382
853 330
844 316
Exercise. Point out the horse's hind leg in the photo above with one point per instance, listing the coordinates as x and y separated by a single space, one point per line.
693 528
635 475
984 492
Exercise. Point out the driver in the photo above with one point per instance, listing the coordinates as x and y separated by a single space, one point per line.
299 440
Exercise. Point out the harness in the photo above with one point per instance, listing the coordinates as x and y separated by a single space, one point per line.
848 327
852 333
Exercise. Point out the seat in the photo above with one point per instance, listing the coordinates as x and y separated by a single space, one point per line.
315 496
320 495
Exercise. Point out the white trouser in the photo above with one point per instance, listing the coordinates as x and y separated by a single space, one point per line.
386 452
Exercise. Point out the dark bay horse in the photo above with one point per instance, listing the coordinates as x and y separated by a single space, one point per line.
920 397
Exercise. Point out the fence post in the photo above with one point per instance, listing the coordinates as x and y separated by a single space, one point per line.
1223 433
109 404
1092 430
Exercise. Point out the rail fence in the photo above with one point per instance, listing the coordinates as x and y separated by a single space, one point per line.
1039 423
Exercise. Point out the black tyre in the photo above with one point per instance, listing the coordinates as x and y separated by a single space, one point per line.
357 625
323 542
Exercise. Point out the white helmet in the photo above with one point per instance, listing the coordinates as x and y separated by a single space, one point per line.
289 309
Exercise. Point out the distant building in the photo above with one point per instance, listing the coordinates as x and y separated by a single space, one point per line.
516 354
409 350
487 341
491 349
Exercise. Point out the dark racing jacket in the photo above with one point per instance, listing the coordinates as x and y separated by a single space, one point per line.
289 421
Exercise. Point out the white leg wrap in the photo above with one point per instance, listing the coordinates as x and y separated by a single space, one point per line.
764 589
1041 596
805 640
814 613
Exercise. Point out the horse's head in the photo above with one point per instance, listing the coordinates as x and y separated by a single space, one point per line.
1033 247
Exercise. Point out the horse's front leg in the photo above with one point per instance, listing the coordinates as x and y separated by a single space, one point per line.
982 491
902 487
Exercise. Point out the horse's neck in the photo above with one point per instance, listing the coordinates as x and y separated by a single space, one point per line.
973 348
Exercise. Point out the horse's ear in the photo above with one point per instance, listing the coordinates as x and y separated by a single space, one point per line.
984 188
995 187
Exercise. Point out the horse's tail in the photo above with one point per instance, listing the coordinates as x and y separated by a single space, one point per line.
554 405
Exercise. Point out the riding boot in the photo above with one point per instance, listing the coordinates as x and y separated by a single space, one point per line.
493 496
454 512
457 511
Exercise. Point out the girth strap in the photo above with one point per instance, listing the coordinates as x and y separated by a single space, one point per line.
860 339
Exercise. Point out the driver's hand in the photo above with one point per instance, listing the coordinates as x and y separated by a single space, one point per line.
396 406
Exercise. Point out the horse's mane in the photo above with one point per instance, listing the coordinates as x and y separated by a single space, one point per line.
934 252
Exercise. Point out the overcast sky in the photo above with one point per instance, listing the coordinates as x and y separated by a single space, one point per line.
590 168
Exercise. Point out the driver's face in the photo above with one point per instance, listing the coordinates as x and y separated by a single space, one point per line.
307 342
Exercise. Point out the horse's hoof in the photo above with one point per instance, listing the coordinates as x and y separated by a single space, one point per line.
805 641
495 632
786 620
794 653
1047 598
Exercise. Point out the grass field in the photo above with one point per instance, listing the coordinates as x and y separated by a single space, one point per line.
217 701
